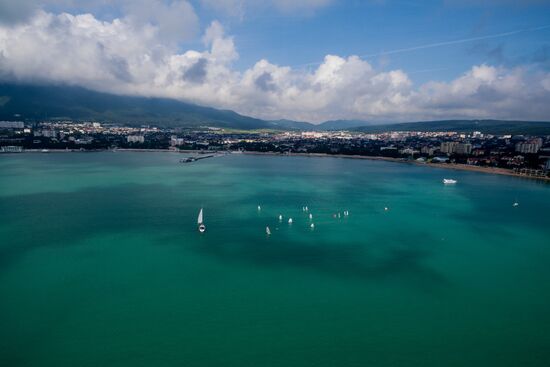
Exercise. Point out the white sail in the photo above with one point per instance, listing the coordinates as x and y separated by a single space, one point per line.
199 219
267 231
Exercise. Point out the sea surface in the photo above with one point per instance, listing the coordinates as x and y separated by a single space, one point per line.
101 263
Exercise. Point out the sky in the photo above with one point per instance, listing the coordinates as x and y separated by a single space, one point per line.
307 60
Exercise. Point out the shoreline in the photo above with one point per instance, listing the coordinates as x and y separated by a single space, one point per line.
452 166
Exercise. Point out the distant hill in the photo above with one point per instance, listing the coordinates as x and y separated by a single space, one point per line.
485 126
292 125
31 102
341 124
323 126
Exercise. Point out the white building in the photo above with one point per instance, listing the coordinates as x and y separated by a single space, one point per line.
175 141
11 149
531 146
12 124
464 149
135 138
448 147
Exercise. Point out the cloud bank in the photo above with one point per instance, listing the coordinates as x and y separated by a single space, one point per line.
138 54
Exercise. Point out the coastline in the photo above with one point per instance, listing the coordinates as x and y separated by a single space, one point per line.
452 166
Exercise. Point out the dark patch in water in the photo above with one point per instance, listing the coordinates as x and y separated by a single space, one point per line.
349 261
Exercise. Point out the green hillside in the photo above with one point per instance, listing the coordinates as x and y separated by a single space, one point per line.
484 126
63 102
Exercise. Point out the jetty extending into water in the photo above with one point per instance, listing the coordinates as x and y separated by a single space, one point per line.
199 157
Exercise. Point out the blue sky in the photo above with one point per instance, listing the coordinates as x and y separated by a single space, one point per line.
312 60
372 27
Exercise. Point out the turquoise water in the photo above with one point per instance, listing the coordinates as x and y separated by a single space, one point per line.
101 263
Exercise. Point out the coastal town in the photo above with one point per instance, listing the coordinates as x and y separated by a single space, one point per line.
517 154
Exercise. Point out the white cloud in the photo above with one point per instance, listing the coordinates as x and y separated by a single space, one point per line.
175 20
130 55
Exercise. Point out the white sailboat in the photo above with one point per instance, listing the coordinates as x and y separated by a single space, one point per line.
200 223
310 216
267 231
289 220
280 217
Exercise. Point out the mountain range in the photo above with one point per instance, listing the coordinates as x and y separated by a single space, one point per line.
60 102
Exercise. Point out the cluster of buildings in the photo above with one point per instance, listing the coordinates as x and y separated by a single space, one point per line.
529 153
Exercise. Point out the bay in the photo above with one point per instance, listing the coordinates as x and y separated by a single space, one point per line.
101 263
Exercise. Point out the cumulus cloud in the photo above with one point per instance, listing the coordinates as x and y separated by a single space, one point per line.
175 20
131 56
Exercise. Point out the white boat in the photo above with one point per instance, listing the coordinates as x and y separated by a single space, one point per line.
515 204
259 208
312 226
202 227
280 217
267 231
289 220
307 209
449 181
346 213
310 216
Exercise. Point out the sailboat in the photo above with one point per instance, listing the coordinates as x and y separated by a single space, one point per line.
202 227
267 231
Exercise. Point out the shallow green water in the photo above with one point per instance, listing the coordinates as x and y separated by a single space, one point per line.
101 263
